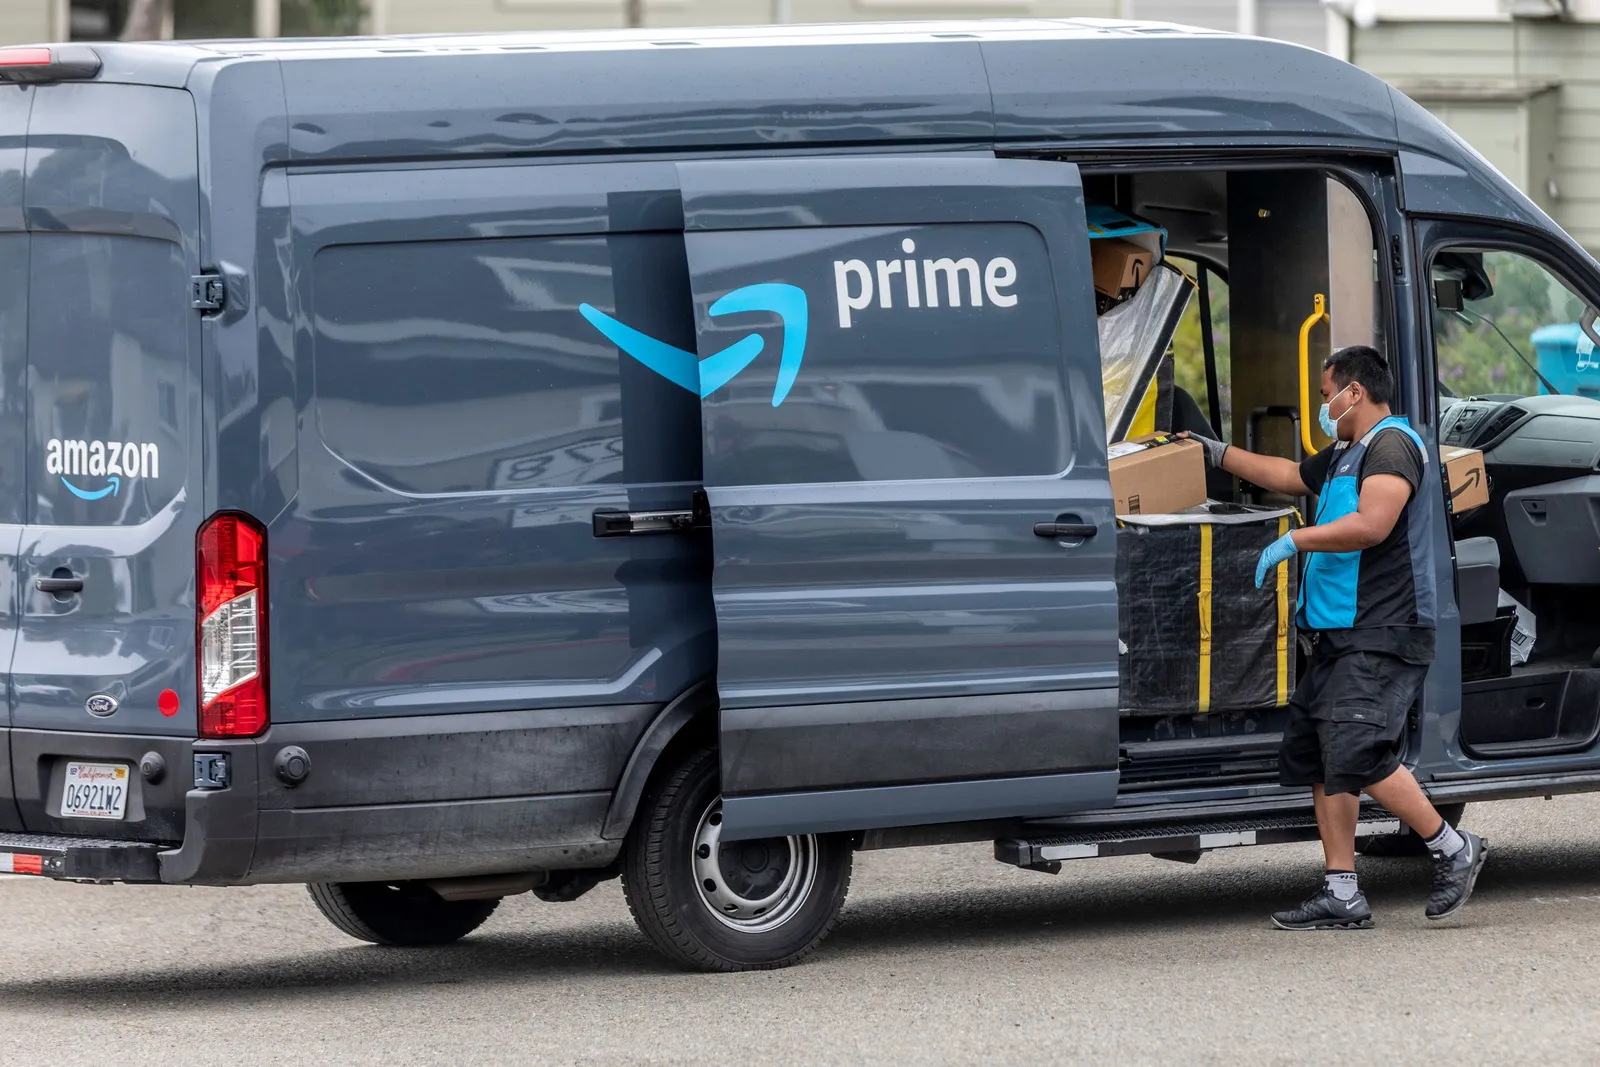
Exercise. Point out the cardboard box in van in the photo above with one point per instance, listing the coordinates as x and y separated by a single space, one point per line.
1464 473
1157 474
1119 265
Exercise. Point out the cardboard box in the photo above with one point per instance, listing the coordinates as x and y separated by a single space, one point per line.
1119 265
1157 474
1468 482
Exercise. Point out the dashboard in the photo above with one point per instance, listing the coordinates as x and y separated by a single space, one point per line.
1558 432
1542 456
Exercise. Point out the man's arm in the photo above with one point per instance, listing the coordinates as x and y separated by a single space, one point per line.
1272 473
1383 497
1269 472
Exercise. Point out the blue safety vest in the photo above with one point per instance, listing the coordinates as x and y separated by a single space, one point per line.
1332 594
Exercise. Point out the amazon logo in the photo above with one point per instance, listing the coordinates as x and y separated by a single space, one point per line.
104 465
703 377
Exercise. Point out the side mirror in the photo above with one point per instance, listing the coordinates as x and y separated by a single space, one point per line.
1586 324
1447 294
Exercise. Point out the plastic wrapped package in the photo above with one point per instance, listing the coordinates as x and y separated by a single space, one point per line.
1134 336
1196 635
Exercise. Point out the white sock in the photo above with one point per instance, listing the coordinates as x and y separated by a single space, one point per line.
1342 884
1447 842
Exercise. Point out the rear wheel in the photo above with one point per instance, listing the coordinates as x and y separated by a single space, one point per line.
1406 844
727 906
398 913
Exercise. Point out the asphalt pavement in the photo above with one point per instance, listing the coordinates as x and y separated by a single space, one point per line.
943 956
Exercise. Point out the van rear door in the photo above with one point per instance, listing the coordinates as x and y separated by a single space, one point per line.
14 108
104 668
906 467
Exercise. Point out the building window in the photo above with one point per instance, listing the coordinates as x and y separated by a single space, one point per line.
96 20
103 20
321 18
201 19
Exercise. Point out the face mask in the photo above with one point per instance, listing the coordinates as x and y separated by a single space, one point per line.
1330 425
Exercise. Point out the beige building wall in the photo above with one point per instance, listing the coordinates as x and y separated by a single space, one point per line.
432 16
29 21
1471 74
1207 14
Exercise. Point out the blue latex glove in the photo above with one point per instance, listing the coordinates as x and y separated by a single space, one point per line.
1280 551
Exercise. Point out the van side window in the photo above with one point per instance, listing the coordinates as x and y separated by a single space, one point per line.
1189 347
933 351
465 366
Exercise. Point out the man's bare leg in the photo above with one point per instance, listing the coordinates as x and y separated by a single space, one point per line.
1340 905
1404 798
1458 855
1336 825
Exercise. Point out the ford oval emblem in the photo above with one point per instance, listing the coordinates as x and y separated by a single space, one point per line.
101 705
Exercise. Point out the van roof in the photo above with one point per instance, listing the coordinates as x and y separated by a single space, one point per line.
1071 80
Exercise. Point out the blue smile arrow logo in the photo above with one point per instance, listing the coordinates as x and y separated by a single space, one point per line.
85 494
705 376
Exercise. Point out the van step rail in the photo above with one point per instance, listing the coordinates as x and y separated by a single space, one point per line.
88 859
1185 843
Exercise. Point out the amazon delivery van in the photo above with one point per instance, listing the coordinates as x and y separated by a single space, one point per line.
441 469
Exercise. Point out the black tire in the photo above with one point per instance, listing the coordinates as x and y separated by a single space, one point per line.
664 889
1393 846
398 913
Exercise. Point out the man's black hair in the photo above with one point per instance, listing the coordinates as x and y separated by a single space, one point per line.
1362 363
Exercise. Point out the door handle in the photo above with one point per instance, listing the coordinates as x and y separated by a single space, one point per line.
614 522
1064 529
58 585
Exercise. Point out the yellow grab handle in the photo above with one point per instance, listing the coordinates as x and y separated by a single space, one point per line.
1319 304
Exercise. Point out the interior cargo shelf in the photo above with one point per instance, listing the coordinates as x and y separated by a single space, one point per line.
1186 842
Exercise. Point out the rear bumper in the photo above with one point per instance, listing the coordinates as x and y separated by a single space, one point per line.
79 858
382 802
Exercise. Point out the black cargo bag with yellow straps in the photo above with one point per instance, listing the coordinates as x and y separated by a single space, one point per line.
1196 635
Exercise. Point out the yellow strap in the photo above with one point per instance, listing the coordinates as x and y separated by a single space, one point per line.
1205 618
1283 621
1144 417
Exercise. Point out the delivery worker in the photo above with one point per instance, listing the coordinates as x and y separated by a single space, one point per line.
1367 605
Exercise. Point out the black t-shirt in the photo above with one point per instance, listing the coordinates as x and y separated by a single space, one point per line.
1385 598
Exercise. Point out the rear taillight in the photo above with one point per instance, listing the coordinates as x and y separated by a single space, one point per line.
231 638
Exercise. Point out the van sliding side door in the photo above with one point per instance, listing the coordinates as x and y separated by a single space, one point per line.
906 467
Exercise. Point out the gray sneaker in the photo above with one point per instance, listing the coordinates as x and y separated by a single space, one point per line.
1324 911
1454 877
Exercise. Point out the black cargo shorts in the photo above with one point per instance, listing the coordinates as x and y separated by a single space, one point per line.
1347 718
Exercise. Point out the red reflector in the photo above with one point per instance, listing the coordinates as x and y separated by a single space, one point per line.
24 57
231 630
167 702
18 863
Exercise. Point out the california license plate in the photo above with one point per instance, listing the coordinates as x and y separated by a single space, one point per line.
95 791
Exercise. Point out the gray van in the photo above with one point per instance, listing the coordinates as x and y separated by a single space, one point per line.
434 470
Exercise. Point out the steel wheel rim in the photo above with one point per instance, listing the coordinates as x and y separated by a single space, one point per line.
774 893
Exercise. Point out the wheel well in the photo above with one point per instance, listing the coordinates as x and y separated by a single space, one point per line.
690 720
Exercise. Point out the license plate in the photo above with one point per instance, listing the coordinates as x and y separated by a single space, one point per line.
95 791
